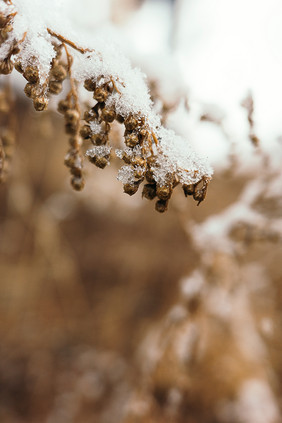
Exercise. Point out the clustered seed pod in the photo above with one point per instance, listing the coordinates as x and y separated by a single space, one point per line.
143 157
139 153
73 158
7 139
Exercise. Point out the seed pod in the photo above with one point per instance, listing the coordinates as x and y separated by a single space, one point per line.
89 85
30 90
63 106
120 118
40 103
138 161
18 67
91 115
131 140
59 73
99 161
161 206
72 116
31 74
188 189
70 158
6 67
149 191
150 177
130 123
131 189
78 183
108 115
71 127
85 132
55 87
99 139
164 192
100 94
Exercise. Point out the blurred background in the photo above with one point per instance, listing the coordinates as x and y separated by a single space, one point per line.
111 312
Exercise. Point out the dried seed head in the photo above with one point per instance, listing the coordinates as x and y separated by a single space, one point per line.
164 192
99 139
85 132
59 73
31 74
149 191
188 189
72 116
130 123
55 87
101 94
131 140
150 177
108 115
99 161
161 206
120 118
90 116
18 67
131 189
89 85
63 106
78 183
6 67
138 161
40 103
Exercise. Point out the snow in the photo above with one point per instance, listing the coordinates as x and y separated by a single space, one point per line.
103 59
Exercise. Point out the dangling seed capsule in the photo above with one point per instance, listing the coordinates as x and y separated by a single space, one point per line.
150 176
149 191
72 116
55 87
131 140
161 206
131 189
99 161
85 132
130 123
164 192
108 115
18 67
63 106
100 94
120 119
30 90
188 189
31 74
59 73
89 85
40 103
99 139
6 67
78 183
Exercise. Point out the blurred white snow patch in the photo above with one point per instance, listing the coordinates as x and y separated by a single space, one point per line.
148 29
255 404
88 14
192 285
207 139
177 314
185 340
227 48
